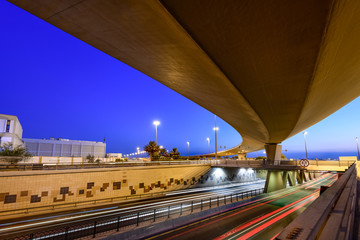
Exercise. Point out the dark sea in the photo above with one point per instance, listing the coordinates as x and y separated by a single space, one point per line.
311 155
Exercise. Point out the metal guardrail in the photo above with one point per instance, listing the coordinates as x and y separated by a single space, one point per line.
329 214
119 221
220 163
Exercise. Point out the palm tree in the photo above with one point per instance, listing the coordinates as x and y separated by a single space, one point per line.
174 153
163 152
152 149
90 158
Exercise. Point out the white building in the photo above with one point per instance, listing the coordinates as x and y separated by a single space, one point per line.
10 130
64 147
114 155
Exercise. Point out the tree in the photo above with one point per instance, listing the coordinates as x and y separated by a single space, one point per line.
90 158
175 154
152 149
163 152
14 154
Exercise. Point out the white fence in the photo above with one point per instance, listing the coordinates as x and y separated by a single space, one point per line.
60 160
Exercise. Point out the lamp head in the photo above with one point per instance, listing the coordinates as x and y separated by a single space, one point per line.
156 123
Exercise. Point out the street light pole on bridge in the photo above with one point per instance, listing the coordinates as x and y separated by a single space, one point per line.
215 129
305 144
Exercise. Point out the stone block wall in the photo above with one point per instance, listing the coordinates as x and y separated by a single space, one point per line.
41 188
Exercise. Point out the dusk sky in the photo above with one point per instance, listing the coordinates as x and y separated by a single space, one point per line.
59 86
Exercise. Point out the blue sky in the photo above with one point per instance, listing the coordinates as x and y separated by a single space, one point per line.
59 86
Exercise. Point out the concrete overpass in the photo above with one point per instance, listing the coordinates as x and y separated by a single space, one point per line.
269 68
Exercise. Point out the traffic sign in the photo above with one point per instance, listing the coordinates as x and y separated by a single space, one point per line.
304 163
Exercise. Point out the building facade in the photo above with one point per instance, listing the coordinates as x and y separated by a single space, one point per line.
114 155
64 147
10 130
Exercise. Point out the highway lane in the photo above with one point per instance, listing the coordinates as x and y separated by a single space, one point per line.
49 220
263 218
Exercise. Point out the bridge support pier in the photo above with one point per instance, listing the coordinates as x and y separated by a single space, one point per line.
292 178
276 179
241 156
300 176
273 153
306 176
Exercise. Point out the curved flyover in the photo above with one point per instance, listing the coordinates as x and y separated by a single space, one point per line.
268 68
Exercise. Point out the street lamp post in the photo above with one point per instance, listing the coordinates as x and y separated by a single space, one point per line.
305 144
188 143
357 145
215 129
208 140
156 123
138 150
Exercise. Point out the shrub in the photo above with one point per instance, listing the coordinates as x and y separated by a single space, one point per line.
14 154
90 158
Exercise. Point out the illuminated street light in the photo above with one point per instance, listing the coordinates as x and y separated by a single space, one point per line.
156 123
305 133
161 147
208 140
216 129
188 143
138 150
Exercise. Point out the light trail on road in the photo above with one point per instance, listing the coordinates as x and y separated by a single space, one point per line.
259 219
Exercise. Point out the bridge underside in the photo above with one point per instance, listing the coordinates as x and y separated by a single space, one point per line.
268 68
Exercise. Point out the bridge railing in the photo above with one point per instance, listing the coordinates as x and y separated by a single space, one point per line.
49 166
219 162
331 216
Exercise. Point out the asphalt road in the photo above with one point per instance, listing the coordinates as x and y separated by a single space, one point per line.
263 218
41 222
